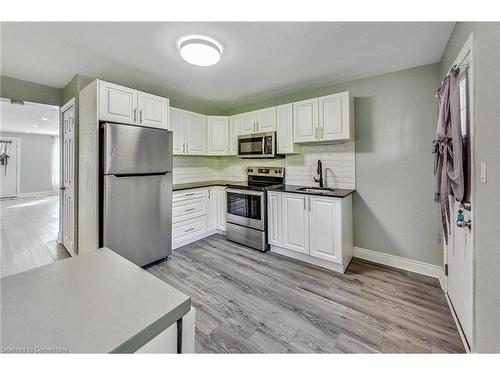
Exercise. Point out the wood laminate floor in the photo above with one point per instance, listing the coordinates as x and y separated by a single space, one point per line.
251 302
29 229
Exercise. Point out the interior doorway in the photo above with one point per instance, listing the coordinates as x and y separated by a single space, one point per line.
29 182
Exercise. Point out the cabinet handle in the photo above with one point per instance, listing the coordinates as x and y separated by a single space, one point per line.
189 210
304 203
309 203
189 194
140 116
135 115
189 230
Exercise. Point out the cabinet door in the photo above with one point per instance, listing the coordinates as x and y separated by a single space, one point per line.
274 222
222 208
117 103
295 223
266 120
234 123
284 128
196 140
325 228
305 120
334 117
248 124
217 135
178 125
152 110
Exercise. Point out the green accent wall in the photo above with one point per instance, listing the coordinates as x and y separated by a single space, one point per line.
13 88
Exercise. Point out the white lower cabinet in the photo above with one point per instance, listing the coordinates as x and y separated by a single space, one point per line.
295 223
315 229
197 213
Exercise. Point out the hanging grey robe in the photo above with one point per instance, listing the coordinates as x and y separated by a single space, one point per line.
449 159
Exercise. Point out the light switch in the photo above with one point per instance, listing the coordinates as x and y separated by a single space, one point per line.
483 172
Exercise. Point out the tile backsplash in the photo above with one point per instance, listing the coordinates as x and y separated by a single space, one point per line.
338 166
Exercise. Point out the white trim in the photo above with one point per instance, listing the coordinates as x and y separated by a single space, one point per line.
46 193
406 264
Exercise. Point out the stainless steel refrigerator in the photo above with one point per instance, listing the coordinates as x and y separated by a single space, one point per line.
136 195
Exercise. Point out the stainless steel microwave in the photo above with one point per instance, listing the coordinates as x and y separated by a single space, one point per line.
258 145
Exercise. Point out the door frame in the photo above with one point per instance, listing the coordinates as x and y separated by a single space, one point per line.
467 52
68 104
18 164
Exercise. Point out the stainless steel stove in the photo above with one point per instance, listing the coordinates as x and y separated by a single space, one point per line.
246 218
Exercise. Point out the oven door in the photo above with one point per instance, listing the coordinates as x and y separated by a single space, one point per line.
246 207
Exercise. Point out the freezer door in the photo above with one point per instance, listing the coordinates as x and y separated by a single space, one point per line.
130 149
137 217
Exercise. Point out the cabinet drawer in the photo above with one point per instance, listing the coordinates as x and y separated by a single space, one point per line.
189 209
189 228
184 195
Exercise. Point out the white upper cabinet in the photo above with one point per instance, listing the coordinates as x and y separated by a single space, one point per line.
284 130
234 124
295 223
324 119
248 123
217 135
128 106
196 140
325 228
178 126
336 117
305 115
153 110
266 120
117 103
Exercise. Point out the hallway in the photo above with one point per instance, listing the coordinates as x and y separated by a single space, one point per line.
28 234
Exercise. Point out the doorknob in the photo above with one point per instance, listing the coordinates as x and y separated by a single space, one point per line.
464 224
62 188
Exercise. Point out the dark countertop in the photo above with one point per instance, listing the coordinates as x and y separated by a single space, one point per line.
336 193
97 302
201 184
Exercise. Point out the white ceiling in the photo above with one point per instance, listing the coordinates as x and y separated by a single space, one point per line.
22 118
259 58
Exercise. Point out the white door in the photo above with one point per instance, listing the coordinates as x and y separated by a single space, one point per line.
325 228
117 103
284 128
152 110
274 222
306 120
266 119
234 124
196 141
217 135
460 248
248 124
8 167
333 110
68 201
178 126
295 223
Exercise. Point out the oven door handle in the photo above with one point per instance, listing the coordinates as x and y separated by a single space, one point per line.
245 192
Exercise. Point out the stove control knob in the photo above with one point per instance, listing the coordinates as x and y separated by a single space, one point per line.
250 170
276 171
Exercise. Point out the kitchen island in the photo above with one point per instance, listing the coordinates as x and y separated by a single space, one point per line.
97 302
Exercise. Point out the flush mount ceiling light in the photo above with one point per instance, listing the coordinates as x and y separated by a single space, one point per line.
200 50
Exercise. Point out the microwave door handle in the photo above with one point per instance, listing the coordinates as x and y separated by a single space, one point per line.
263 145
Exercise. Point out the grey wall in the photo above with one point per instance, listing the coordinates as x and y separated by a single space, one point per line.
32 92
36 161
486 201
394 211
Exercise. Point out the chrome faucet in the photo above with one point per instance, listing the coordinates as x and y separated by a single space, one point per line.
320 172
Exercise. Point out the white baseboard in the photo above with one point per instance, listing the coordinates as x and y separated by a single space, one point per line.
402 263
39 194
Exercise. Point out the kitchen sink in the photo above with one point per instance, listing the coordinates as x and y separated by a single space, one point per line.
316 190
